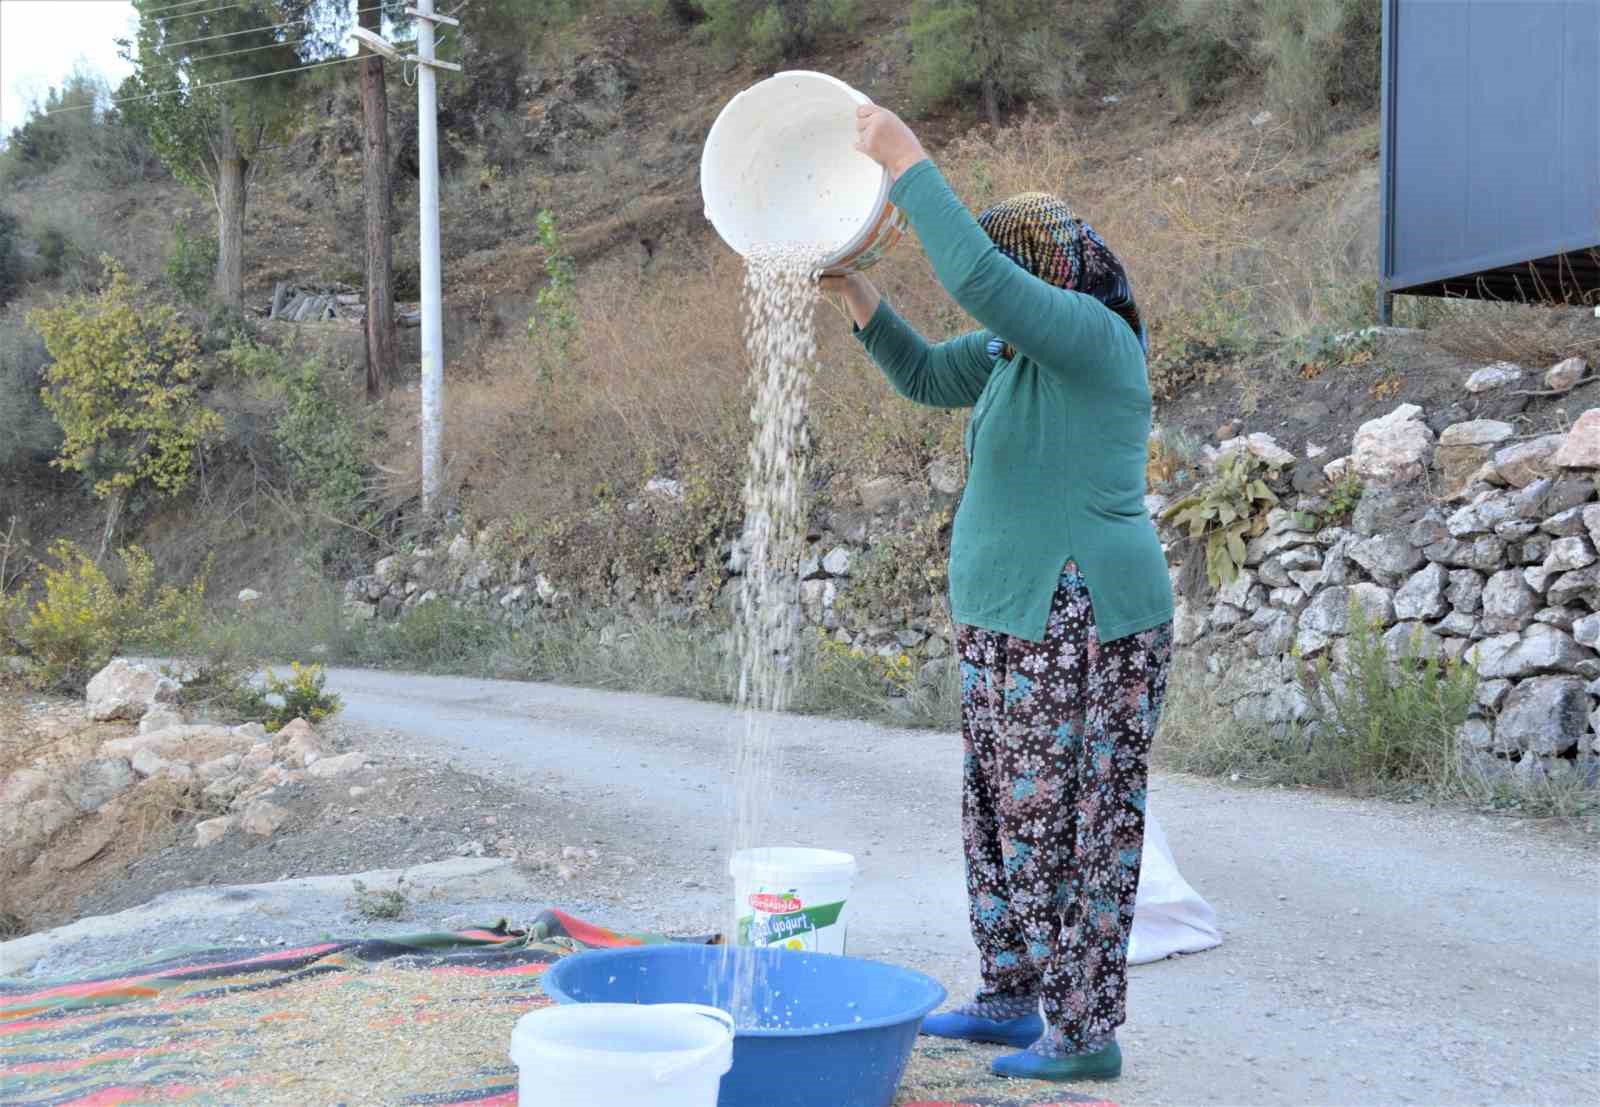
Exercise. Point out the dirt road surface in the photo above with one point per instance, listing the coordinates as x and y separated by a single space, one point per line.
1373 953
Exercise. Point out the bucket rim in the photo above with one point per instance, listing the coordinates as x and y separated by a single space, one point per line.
934 993
525 1039
857 241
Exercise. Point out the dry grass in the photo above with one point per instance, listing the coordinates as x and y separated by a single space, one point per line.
1533 335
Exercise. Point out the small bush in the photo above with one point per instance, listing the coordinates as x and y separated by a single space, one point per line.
1389 719
83 619
27 432
379 903
299 696
1322 55
125 389
1225 512
191 265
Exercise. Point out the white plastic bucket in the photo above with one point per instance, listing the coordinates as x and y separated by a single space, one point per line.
780 165
792 898
648 1055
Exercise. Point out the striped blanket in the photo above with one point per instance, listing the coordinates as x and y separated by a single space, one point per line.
423 1019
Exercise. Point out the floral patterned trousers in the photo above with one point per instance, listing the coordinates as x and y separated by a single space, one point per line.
1057 739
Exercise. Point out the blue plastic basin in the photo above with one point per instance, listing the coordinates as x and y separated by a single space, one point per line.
837 1034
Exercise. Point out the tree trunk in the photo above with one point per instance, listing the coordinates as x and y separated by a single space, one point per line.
381 354
991 100
231 169
113 516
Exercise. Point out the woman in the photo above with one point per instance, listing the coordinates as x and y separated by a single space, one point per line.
1059 590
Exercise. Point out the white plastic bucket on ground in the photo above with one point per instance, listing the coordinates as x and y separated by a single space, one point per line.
647 1055
780 165
792 898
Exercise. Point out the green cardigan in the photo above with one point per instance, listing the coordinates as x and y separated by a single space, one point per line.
1057 438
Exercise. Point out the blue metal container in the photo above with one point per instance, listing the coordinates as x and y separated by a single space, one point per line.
835 1031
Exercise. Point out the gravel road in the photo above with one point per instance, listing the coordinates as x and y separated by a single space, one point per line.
1373 954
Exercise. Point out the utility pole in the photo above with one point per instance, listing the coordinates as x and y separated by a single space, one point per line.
376 204
428 196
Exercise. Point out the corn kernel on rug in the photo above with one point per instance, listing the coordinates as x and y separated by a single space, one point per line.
424 1019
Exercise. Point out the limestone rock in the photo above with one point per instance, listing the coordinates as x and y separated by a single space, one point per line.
390 570
224 791
1277 633
1474 734
1262 446
1291 599
1579 585
1591 523
126 690
1539 649
1189 623
1464 448
1485 553
1498 375
1563 617
1586 631
158 718
100 781
1525 462
1308 581
1412 641
1481 516
1567 554
325 768
1387 557
1225 615
1459 624
1490 694
1565 375
300 744
217 768
1537 577
1237 591
1393 448
1329 611
1429 528
210 830
837 563
1565 524
1423 595
1545 715
1508 602
945 477
1478 432
263 817
1581 447
249 597
147 762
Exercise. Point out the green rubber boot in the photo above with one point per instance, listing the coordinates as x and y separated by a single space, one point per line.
1102 1064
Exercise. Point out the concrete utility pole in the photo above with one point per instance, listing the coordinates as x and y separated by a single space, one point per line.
428 190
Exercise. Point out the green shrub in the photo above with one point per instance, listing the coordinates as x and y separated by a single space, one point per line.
1317 55
1389 719
13 267
27 433
1225 512
299 696
774 29
125 389
1321 55
978 45
191 264
321 441
83 619
1209 45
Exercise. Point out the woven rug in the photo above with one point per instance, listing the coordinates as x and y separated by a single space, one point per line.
423 1019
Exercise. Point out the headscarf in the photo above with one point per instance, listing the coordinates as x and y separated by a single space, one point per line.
1039 232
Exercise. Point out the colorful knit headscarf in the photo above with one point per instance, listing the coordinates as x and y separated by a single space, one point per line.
1040 233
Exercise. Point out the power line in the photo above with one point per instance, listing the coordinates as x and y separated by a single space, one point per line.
190 15
208 84
169 7
255 30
